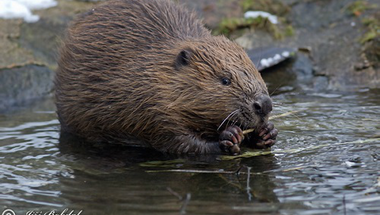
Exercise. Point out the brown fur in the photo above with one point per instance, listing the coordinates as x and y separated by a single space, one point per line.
120 75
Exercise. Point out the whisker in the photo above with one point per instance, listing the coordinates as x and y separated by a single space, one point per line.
228 118
292 113
277 104
278 87
295 115
232 119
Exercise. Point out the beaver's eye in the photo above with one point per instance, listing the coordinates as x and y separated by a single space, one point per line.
226 81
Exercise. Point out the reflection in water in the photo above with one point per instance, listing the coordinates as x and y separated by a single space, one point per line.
317 167
133 177
28 151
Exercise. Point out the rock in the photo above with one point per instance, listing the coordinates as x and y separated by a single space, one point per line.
213 11
24 84
28 53
327 29
269 56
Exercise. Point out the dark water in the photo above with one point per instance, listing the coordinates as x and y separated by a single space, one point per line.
326 161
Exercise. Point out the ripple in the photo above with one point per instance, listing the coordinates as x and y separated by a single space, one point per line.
319 160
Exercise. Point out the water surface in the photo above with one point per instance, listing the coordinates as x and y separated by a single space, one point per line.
326 161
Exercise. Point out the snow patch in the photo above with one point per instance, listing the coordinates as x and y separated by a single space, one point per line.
268 62
255 14
14 9
285 54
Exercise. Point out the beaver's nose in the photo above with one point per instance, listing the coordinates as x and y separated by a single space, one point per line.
263 105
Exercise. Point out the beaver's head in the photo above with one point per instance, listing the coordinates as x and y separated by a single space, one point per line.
215 85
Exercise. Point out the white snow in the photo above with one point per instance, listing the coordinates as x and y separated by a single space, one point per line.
13 9
277 58
285 54
255 14
266 62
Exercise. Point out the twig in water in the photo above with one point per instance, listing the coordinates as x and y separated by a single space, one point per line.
296 150
174 193
230 183
185 200
344 205
272 117
248 187
238 171
284 114
185 203
193 171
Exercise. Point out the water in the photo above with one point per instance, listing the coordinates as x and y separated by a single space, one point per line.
326 161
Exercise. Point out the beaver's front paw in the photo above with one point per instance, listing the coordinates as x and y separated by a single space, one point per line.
267 136
230 140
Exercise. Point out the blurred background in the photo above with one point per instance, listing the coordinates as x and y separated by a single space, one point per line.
321 62
336 44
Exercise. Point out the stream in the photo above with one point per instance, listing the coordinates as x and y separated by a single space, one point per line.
326 161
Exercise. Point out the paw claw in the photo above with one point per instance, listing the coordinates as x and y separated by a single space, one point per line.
226 143
267 136
269 143
230 139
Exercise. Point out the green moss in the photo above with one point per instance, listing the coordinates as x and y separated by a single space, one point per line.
369 21
275 31
358 7
372 52
247 4
271 6
371 39
373 26
231 25
289 31
370 35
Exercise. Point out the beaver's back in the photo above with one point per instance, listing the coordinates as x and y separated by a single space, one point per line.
113 51
117 32
135 25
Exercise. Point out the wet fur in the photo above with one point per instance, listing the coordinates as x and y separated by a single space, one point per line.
121 75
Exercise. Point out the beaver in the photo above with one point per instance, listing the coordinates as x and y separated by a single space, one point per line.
148 70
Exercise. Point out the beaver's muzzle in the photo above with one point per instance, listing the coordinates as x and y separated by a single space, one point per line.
263 105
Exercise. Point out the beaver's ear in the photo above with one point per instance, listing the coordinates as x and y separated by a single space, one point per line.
183 58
